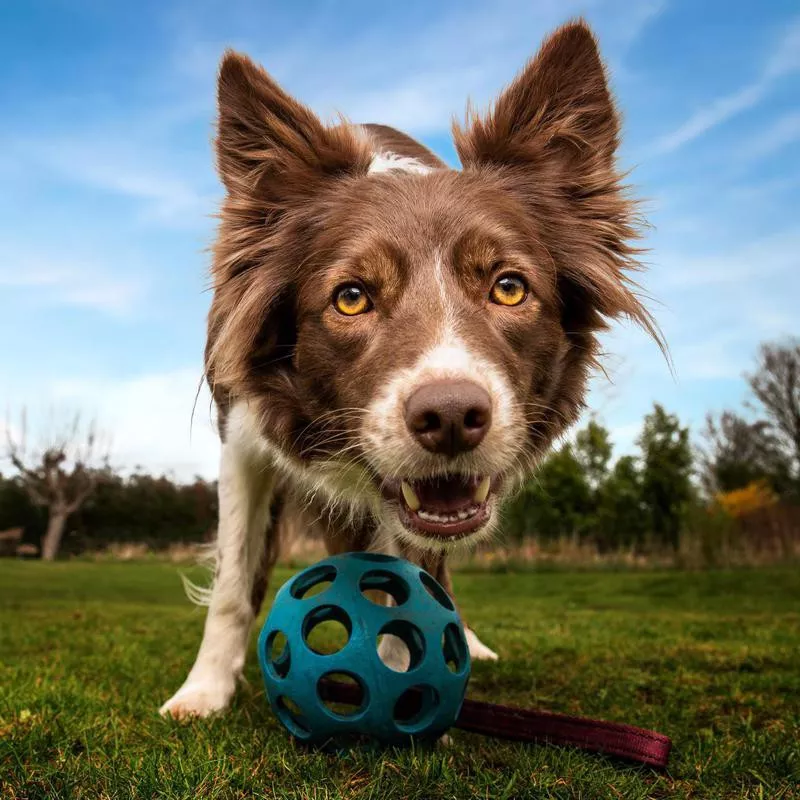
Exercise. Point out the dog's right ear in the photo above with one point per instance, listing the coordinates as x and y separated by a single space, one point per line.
267 142
274 155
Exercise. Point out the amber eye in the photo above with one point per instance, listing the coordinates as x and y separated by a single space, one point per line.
510 290
351 299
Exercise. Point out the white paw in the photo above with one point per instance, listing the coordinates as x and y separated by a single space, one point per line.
198 699
478 651
393 651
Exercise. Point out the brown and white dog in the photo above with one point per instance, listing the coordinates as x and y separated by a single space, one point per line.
392 344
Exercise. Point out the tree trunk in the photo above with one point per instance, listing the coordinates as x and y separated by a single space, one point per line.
51 541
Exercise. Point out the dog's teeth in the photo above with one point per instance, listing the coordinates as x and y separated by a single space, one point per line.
455 516
482 492
412 501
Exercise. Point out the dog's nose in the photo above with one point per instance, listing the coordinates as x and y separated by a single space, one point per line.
449 417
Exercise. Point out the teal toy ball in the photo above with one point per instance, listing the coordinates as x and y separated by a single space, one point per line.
416 695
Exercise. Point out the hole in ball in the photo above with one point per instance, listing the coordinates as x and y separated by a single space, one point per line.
278 657
313 581
436 591
454 648
326 629
393 651
401 645
415 708
342 693
383 588
291 715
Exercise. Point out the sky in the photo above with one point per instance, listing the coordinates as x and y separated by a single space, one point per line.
108 189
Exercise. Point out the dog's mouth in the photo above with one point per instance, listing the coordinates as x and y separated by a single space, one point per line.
444 507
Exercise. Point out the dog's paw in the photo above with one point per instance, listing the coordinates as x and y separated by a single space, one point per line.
393 651
478 651
198 699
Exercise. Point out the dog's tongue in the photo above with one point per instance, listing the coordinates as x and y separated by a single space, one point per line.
442 495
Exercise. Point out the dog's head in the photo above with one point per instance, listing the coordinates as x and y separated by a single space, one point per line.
410 335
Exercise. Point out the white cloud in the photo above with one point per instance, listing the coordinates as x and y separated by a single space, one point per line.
784 60
411 73
721 110
783 132
762 258
466 51
714 309
634 18
716 357
772 188
786 56
119 165
718 306
57 281
149 418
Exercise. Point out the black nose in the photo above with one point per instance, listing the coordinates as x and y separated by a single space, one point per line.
449 417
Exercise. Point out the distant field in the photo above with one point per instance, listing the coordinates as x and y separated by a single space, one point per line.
89 651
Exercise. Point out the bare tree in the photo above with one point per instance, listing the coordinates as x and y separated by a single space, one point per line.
776 385
59 476
737 452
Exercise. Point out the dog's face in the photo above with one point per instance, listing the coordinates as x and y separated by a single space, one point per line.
417 337
428 337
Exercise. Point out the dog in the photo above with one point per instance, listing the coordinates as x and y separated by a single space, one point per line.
392 344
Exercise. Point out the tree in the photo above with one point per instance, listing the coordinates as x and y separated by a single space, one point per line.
17 510
559 501
776 386
147 509
60 476
593 451
738 453
622 518
666 474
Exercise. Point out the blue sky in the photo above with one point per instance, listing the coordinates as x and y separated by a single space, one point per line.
108 187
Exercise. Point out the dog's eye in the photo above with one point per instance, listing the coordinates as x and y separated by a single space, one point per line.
351 299
510 290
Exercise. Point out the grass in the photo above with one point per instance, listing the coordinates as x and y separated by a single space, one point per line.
89 651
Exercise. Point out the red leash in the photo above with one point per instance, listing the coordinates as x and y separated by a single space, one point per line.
522 725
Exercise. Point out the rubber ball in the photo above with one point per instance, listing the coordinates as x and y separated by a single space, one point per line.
418 697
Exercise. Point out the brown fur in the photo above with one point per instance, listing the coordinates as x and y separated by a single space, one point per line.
539 194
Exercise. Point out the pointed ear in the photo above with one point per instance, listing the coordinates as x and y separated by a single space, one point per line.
553 134
559 106
273 155
263 132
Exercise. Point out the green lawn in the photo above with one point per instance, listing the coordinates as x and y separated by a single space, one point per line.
89 651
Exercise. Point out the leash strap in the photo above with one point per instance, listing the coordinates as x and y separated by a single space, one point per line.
523 725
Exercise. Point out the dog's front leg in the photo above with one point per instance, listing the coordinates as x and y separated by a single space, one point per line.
245 491
436 565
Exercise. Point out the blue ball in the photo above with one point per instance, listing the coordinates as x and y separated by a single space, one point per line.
388 705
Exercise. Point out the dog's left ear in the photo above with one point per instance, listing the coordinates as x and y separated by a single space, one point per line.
558 112
551 138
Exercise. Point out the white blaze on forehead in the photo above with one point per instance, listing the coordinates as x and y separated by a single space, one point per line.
386 162
447 311
394 452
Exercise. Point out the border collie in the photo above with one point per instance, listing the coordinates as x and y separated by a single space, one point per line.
392 344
